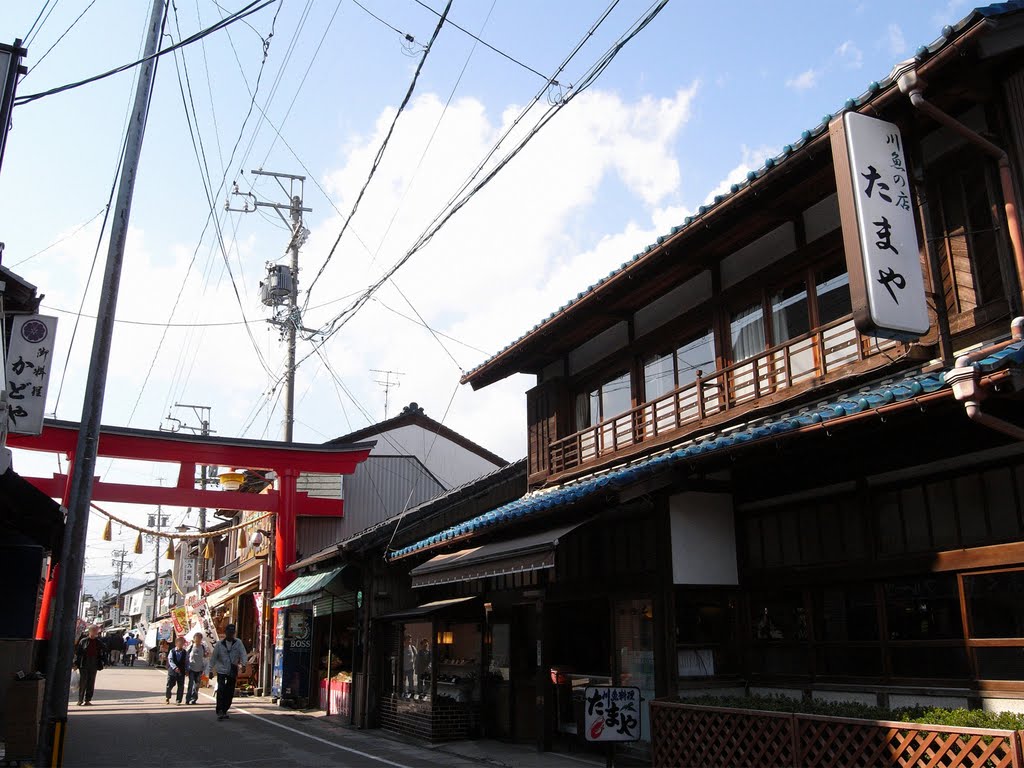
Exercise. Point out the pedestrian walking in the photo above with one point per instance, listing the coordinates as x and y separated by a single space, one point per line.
90 654
228 658
177 666
131 650
197 667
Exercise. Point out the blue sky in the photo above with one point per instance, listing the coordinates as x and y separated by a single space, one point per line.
693 101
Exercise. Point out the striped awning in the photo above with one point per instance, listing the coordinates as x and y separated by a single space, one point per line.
222 595
309 588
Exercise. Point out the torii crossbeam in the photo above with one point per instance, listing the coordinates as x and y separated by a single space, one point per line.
286 460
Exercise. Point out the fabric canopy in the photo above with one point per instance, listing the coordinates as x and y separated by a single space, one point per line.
224 594
501 558
428 609
309 588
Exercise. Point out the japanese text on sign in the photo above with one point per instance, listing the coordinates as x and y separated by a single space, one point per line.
880 235
611 714
27 372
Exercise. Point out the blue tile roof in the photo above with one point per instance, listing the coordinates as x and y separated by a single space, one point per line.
618 477
770 163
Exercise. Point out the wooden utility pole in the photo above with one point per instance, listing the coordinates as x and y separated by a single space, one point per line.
72 560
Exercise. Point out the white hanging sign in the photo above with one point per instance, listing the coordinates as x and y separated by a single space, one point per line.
27 372
879 231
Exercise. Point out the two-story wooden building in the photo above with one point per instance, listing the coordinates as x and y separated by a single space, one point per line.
734 488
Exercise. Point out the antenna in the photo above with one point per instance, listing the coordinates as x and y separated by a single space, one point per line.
387 384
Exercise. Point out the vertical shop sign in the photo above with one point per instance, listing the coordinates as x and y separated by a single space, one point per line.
27 372
879 230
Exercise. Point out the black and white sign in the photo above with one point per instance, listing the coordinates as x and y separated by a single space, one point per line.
879 231
27 372
611 714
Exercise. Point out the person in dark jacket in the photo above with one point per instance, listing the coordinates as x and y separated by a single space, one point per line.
90 655
177 667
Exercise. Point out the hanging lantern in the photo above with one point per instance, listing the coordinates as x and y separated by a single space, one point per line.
208 552
231 481
106 530
169 554
242 541
257 540
138 544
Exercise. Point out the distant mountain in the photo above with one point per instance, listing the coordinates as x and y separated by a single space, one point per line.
96 584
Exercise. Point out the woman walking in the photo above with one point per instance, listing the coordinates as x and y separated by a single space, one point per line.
131 650
177 664
197 664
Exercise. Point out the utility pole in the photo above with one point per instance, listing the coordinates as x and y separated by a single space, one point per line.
281 289
118 562
202 412
387 384
156 521
65 609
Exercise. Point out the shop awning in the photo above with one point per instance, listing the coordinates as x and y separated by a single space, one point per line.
222 595
31 512
428 609
310 589
528 553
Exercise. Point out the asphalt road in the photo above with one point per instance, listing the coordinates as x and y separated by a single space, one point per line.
129 724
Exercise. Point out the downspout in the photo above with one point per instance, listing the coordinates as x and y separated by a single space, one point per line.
964 381
912 85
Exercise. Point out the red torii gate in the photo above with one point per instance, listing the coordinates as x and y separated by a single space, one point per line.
286 460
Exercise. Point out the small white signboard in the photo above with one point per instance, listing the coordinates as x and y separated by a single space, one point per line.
27 372
611 714
879 232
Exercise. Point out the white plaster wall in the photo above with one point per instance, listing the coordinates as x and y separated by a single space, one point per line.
1003 705
788 693
897 700
703 539
861 697
448 461
695 693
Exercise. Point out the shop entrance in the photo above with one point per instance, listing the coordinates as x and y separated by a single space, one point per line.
510 693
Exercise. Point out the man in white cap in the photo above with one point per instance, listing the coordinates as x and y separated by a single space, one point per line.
228 658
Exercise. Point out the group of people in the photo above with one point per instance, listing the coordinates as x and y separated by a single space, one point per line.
416 663
226 660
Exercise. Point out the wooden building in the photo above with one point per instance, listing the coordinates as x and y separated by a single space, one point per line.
732 488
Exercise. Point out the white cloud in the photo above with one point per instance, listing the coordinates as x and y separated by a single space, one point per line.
850 55
804 81
895 41
752 160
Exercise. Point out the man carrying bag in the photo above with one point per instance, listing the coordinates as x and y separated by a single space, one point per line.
228 658
90 654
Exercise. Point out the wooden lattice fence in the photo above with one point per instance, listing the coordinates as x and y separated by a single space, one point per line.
687 735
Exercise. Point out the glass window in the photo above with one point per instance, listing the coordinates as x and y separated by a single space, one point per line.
607 401
779 616
417 660
747 333
847 614
696 355
940 663
833 286
995 603
659 376
923 609
789 313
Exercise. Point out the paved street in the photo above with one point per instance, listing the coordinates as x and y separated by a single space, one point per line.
129 724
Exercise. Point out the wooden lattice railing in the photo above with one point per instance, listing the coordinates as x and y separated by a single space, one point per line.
686 735
800 360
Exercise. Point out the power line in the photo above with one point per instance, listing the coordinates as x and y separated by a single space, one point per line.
459 202
383 147
28 35
72 26
422 323
484 43
251 8
408 38
61 240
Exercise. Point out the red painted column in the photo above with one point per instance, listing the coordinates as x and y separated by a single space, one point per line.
284 540
49 590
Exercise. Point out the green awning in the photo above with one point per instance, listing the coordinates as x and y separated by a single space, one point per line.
309 588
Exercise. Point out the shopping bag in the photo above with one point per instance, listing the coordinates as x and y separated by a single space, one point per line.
204 681
76 680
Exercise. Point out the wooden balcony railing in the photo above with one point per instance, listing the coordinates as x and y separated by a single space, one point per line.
802 359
